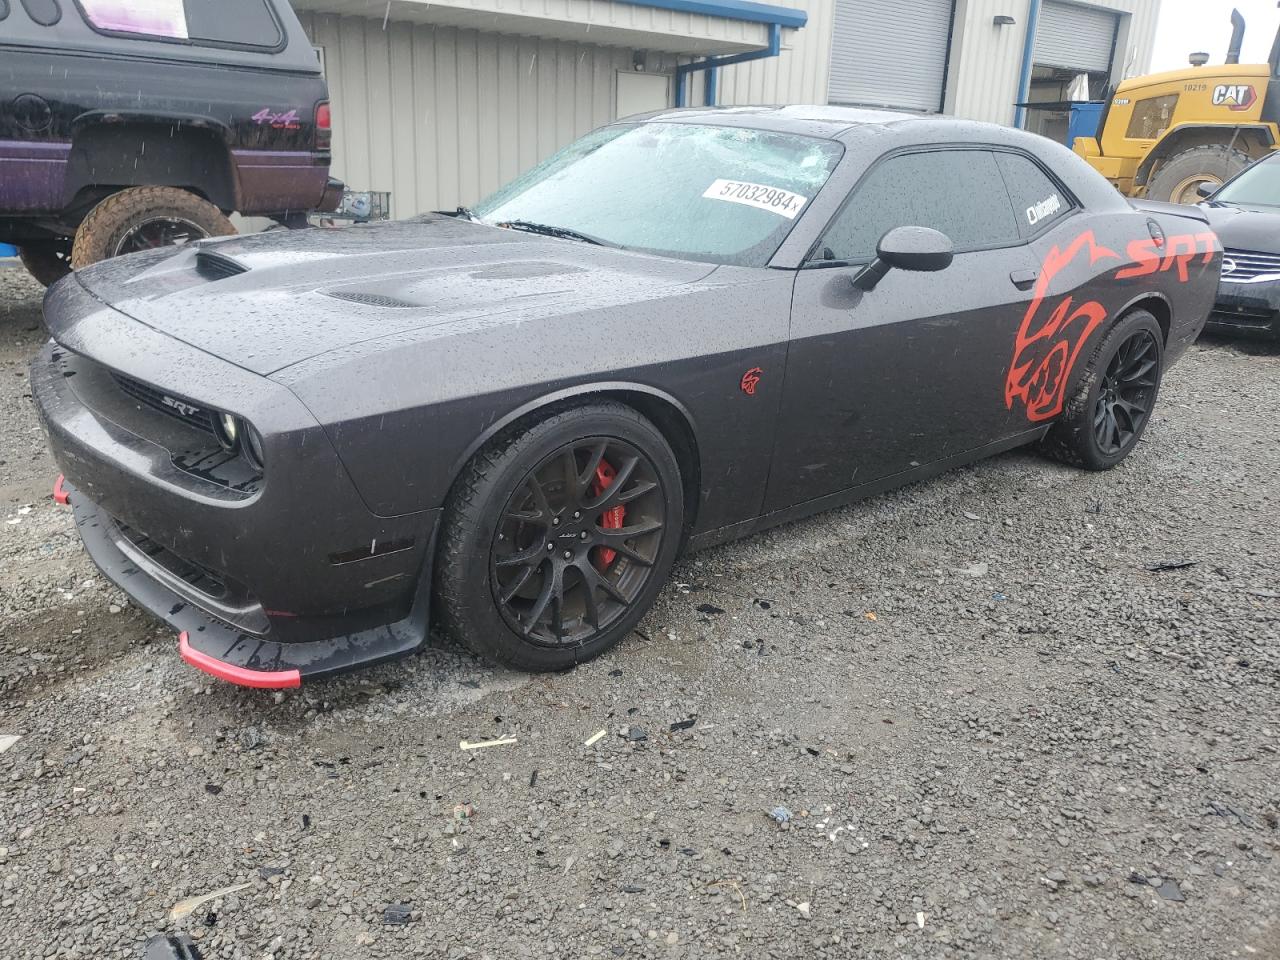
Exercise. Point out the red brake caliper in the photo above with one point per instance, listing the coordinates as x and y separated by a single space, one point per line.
613 517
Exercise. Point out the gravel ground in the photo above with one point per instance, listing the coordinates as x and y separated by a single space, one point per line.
997 733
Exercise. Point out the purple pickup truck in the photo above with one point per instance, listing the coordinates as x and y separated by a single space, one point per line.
127 126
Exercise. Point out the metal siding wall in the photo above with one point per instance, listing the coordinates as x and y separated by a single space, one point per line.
442 116
890 53
1068 35
985 59
798 75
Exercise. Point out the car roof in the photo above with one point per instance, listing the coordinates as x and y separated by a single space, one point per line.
809 119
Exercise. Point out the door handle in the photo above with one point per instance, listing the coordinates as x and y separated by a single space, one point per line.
1024 279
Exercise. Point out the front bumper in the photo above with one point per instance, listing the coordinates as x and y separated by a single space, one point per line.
1246 310
215 646
291 572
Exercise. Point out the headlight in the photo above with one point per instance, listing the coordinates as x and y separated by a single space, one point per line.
227 428
252 444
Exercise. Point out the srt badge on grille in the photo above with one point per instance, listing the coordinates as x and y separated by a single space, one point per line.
186 409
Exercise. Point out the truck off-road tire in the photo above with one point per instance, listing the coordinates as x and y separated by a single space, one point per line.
558 536
47 262
1106 416
142 218
1177 177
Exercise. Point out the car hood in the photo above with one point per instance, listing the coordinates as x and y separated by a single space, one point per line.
270 300
1242 229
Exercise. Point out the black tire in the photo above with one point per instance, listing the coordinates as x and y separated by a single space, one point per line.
1177 177
1081 436
491 570
142 218
48 262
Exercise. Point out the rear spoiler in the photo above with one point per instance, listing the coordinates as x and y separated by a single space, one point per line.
1171 209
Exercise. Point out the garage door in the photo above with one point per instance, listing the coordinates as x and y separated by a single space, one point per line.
1075 37
890 53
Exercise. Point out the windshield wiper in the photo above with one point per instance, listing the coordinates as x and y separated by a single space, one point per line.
547 230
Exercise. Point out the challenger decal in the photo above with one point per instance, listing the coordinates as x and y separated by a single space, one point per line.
1051 337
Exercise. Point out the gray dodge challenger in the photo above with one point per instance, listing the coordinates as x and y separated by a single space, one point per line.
302 449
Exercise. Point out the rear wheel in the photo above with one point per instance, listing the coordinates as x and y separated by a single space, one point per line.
143 218
1179 177
558 537
1107 415
48 262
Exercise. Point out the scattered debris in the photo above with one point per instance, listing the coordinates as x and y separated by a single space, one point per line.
1170 890
250 738
871 616
637 734
397 914
804 909
683 724
306 821
170 947
184 908
212 789
266 873
998 596
1162 565
971 516
762 603
736 889
533 778
977 569
7 740
594 738
463 811
781 814
920 919
499 742
710 609
632 888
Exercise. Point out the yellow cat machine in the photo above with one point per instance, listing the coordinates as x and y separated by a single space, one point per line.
1165 135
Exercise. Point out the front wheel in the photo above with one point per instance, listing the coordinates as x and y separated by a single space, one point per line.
1109 411
558 537
143 218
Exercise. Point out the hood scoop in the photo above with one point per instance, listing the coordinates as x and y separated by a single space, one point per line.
217 266
370 299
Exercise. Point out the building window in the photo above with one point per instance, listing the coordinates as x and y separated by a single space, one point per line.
1151 117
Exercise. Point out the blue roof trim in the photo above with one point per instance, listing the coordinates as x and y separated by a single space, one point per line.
731 10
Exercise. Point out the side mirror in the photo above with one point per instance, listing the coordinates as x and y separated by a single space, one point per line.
919 249
1206 189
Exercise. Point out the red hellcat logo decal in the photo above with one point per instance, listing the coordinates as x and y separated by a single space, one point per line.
749 381
1055 330
1047 346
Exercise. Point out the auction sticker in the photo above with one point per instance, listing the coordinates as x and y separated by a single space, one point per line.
774 199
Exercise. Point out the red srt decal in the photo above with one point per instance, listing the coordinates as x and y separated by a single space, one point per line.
1052 336
749 381
1046 347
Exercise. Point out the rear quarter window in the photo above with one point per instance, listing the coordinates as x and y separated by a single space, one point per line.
237 23
1038 200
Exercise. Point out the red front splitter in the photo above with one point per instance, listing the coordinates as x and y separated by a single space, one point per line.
241 676
60 494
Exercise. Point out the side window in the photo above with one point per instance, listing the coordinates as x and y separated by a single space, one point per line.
1037 200
958 192
248 23
1151 117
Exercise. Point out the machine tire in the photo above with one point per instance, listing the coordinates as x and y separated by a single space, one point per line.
1075 437
493 580
112 221
48 262
1179 174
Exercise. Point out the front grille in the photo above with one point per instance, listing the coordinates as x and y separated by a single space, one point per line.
1245 266
176 407
193 575
1246 317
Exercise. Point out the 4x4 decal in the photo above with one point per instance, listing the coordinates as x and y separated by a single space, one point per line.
1055 330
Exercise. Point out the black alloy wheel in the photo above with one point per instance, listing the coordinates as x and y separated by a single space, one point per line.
1127 393
578 541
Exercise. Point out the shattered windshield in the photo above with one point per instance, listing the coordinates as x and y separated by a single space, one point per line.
719 194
